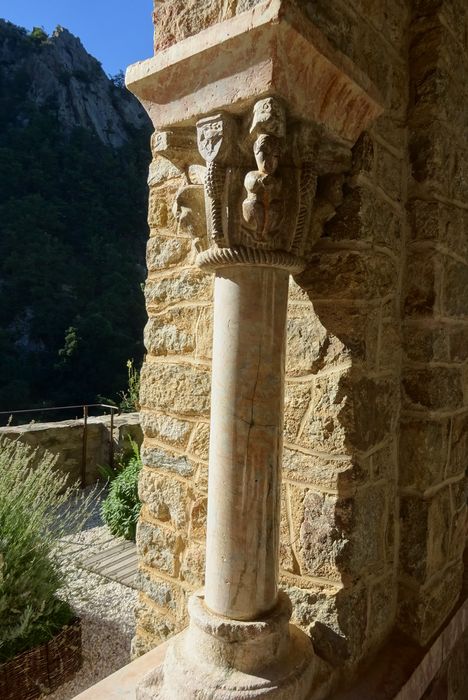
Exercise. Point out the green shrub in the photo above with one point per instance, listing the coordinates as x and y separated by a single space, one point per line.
121 508
35 510
130 398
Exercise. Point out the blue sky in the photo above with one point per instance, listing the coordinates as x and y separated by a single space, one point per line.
116 32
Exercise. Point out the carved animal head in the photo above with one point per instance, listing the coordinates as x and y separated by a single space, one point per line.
269 117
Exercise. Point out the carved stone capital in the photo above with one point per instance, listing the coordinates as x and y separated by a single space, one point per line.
260 184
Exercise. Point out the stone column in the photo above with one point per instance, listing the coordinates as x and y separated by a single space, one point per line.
246 440
276 120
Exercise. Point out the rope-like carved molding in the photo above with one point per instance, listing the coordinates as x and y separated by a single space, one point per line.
215 258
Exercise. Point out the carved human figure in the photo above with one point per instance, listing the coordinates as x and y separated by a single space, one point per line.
263 208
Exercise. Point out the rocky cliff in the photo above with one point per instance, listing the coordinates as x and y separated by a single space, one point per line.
58 69
74 154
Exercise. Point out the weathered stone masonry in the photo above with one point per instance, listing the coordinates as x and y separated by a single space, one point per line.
376 424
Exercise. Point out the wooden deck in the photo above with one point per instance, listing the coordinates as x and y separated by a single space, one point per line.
117 561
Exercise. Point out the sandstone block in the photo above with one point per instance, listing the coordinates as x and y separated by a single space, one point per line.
425 534
179 388
433 388
333 532
204 333
336 23
425 218
158 458
171 333
339 621
348 274
297 293
459 522
351 413
423 610
153 623
141 644
164 593
434 221
160 170
186 284
455 289
159 547
179 19
344 473
458 445
422 286
363 154
384 462
426 343
355 327
164 497
296 402
323 523
430 149
459 344
382 611
388 171
287 557
197 518
200 442
163 252
336 620
364 216
423 452
165 428
161 197
390 355
309 346
192 569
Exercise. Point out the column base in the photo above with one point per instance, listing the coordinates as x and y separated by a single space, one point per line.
216 658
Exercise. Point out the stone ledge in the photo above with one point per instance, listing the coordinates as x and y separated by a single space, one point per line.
121 685
401 671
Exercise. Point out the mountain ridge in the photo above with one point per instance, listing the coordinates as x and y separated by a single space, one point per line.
62 70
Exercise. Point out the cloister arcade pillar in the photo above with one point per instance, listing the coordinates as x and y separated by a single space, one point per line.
265 106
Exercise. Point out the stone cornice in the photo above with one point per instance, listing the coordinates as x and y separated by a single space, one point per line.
269 50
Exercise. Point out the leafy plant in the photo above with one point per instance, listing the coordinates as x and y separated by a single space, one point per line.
121 508
131 397
35 511
39 34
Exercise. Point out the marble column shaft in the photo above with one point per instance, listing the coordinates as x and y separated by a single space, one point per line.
250 306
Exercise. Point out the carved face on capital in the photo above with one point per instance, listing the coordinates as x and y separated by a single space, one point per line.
212 136
269 116
267 152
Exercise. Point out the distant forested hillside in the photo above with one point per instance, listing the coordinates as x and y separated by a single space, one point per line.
74 152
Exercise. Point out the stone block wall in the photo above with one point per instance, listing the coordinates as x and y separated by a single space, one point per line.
64 439
434 427
175 400
373 511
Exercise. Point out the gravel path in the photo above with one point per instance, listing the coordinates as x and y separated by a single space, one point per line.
106 609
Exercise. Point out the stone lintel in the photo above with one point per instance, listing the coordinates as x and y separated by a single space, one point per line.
272 49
